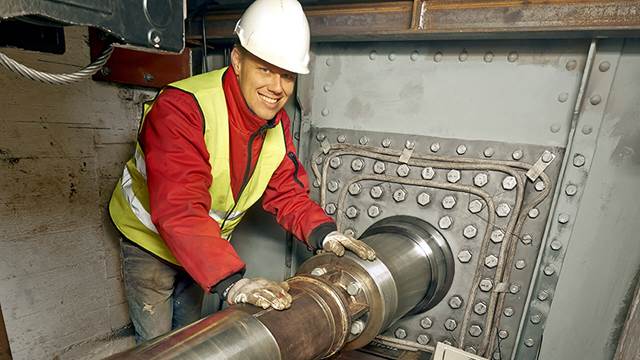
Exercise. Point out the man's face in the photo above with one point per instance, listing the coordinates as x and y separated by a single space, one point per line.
265 87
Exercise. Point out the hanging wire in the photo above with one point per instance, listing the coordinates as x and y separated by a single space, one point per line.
56 79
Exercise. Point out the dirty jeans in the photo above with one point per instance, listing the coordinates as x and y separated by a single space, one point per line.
161 297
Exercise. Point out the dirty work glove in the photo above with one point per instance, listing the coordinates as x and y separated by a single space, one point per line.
336 242
261 293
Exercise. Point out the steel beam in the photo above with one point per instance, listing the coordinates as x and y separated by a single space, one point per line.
451 19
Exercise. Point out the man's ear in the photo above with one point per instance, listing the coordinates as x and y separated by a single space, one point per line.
236 56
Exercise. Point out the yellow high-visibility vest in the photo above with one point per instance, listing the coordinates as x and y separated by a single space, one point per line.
129 206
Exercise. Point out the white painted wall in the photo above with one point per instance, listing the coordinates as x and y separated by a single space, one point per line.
61 152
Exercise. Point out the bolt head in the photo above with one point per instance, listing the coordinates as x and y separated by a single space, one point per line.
319 271
341 138
355 189
503 209
333 186
520 264
363 140
475 330
399 195
357 164
514 288
357 327
445 222
563 218
480 308
376 192
497 236
379 167
547 156
579 160
435 147
455 302
529 342
486 285
517 155
543 295
540 186
503 334
488 152
533 213
410 144
453 176
535 319
555 245
423 339
426 323
352 212
424 198
480 179
373 211
526 239
461 149
509 183
325 112
450 324
316 183
475 206
353 288
508 311
571 190
428 173
403 170
335 162
549 270
470 231
321 136
330 208
400 333
464 256
386 142
491 261
448 202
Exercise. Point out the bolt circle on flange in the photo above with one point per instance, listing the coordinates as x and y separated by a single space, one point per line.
423 199
373 211
357 327
428 173
533 213
353 288
520 264
529 342
470 231
526 239
464 256
579 160
399 195
543 295
453 176
355 189
386 142
475 206
445 222
363 140
409 144
448 202
488 152
540 186
503 334
480 179
341 138
352 212
509 183
514 288
319 271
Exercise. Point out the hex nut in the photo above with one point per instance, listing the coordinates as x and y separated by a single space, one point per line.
319 160
517 155
330 208
341 138
547 156
399 195
363 140
357 327
373 211
455 302
426 323
423 339
508 311
379 167
503 209
543 295
571 190
486 285
423 198
333 185
355 189
400 333
453 176
555 245
376 192
480 308
533 213
491 261
549 270
403 170
450 324
445 222
563 218
497 236
461 149
475 330
509 183
475 206
540 185
526 239
428 173
386 142
352 212
480 179
464 256
435 147
470 232
335 162
319 271
353 288
448 202
357 164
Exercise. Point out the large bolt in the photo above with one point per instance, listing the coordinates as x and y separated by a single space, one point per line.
357 164
355 189
335 162
529 342
517 155
426 323
455 302
376 192
453 176
563 218
547 156
549 270
330 208
514 288
403 170
357 327
480 179
320 136
480 308
508 311
526 239
333 186
353 288
363 140
352 212
423 198
571 190
448 202
503 334
509 183
400 333
470 231
423 339
450 324
475 330
503 209
379 167
386 142
445 222
533 213
435 147
497 236
486 285
475 206
373 211
540 185
520 264
464 256
428 173
488 152
341 138
399 195
319 271
491 261
461 149
543 295
579 160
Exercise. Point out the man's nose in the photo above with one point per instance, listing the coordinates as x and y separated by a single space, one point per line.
275 83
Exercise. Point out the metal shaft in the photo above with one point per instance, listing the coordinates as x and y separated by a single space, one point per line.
338 302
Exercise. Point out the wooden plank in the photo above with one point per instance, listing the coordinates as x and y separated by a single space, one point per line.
629 344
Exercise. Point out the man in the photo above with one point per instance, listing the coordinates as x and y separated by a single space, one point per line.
208 148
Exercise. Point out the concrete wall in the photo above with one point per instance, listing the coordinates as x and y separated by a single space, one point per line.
61 152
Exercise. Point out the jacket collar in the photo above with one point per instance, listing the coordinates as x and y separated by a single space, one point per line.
240 116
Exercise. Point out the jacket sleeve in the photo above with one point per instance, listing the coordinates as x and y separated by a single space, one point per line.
287 197
178 178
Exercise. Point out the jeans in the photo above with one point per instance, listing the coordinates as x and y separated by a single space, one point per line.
161 297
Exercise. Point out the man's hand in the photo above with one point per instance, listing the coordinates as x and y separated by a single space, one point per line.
260 292
336 242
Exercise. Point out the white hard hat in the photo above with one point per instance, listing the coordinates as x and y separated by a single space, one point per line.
277 32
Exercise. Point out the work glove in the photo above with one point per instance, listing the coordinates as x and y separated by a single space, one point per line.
261 293
336 242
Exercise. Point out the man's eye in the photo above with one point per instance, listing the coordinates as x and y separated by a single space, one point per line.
264 70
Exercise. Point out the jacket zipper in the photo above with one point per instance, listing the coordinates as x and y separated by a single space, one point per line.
293 158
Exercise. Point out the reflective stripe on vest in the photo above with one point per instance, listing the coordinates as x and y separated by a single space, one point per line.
129 206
